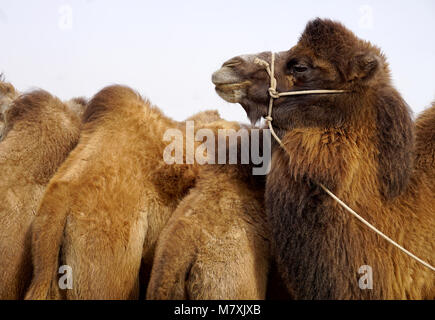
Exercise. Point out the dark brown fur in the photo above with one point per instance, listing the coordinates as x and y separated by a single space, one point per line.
361 146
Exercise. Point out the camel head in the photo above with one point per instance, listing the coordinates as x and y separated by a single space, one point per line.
327 56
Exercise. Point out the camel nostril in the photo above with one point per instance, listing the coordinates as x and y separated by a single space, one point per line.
215 77
225 76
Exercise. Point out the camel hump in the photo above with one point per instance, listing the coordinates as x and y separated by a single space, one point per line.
31 103
425 137
111 98
205 117
426 123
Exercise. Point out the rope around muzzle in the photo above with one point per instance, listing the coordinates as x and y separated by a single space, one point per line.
274 94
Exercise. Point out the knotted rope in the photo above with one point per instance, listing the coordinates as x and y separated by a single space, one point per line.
274 94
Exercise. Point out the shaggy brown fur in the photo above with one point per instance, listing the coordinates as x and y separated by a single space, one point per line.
103 210
215 245
361 146
40 132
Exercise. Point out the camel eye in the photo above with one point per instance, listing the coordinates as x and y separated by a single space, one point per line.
299 68
295 66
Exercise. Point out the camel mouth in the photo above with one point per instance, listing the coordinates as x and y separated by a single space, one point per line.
232 92
232 86
229 85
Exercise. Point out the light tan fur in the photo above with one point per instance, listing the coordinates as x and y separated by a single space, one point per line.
215 245
40 132
105 207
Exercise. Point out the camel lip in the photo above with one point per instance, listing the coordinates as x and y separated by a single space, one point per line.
231 86
223 86
232 93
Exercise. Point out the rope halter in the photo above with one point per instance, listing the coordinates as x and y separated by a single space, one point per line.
274 94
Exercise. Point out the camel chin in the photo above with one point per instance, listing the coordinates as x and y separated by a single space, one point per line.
231 93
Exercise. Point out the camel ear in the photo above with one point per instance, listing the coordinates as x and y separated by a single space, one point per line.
363 66
395 145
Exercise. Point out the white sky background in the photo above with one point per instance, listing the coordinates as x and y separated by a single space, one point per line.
167 50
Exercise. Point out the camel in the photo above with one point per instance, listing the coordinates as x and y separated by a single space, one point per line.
8 94
363 146
39 133
104 209
215 245
175 181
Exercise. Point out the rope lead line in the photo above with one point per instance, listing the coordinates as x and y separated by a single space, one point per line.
270 68
374 229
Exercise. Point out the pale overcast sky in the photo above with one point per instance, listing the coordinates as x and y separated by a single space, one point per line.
167 50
